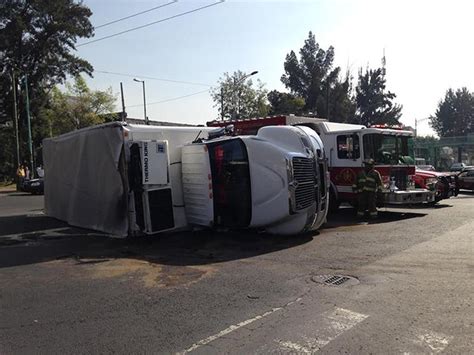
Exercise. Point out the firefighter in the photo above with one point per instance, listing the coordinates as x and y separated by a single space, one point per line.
366 185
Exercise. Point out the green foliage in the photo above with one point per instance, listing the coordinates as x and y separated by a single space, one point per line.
341 103
285 103
313 78
37 38
236 97
455 114
374 103
76 108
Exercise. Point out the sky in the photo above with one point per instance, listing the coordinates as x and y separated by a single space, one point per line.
427 45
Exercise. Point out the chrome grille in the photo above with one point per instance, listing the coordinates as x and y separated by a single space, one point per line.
305 182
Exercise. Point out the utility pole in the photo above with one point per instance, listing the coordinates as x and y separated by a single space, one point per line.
15 119
327 100
28 117
124 114
222 103
144 100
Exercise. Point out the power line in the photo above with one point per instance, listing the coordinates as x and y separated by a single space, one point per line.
151 23
151 78
171 99
138 13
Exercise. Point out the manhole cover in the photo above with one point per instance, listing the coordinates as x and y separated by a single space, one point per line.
335 280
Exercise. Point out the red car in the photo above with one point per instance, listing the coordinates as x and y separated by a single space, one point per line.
443 183
466 180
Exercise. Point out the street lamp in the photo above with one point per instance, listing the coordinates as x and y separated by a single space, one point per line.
416 124
144 99
238 82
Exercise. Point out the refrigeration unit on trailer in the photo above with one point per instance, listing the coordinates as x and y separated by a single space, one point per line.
118 178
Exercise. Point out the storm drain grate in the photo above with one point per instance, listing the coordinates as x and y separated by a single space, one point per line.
336 280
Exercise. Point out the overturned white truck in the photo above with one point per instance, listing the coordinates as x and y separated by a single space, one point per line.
127 180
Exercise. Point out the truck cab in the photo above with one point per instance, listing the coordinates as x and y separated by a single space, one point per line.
275 180
349 145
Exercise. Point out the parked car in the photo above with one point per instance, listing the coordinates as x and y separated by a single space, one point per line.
426 167
457 167
34 186
466 180
443 183
460 167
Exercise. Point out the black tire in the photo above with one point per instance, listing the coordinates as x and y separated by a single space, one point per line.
333 202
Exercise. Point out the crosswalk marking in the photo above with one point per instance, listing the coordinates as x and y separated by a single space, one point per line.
436 342
334 323
299 349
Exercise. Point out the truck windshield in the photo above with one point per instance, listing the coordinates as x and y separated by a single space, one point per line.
230 183
388 149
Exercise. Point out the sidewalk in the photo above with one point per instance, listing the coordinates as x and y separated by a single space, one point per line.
5 189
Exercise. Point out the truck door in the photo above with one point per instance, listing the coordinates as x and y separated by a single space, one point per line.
230 183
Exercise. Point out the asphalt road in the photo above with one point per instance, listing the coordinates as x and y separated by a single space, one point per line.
409 287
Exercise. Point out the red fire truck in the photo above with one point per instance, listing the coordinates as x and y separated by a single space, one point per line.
347 146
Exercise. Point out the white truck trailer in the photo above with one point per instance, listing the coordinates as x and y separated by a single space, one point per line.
127 180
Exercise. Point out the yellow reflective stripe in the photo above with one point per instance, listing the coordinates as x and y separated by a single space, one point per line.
371 189
370 179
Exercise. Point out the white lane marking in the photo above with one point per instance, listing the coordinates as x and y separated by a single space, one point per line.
436 342
235 327
334 323
299 349
228 330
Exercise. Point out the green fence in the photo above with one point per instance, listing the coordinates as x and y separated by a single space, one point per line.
446 151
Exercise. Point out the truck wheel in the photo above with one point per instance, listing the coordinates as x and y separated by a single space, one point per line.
333 202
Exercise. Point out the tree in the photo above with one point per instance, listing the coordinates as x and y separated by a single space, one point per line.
37 38
236 97
313 78
76 108
455 114
285 103
341 103
374 103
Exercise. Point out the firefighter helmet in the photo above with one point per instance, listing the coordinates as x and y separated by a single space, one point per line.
369 162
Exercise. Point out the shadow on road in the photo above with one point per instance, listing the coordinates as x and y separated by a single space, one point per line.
38 243
346 216
24 224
